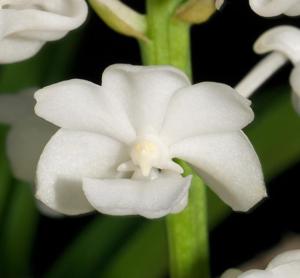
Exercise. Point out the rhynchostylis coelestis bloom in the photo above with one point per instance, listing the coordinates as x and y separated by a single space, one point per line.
26 25
285 265
115 149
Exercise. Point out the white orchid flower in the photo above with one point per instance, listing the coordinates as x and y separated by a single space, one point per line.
115 149
285 265
269 8
26 25
284 44
26 138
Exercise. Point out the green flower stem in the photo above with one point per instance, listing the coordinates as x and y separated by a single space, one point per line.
188 233
169 44
169 39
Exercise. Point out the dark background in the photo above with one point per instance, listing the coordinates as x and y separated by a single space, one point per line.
221 51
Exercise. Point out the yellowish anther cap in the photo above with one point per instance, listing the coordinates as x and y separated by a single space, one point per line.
145 154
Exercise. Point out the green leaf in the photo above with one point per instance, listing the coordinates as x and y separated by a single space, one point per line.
144 254
5 177
18 232
92 247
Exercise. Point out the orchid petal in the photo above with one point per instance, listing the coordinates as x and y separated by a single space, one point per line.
228 164
231 273
269 8
289 270
27 25
44 210
17 49
67 159
205 108
145 91
285 258
81 105
149 198
286 265
257 274
284 39
294 10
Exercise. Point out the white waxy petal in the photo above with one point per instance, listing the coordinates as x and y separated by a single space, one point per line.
82 105
258 274
285 265
269 8
17 49
149 198
205 108
27 25
295 83
228 164
289 270
285 258
284 39
145 91
66 160
14 107
231 273
25 142
294 9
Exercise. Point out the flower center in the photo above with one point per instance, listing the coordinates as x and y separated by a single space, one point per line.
146 155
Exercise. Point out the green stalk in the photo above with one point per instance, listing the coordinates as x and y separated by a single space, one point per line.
169 38
187 232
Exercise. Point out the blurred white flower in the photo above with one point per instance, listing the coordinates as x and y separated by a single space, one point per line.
283 42
269 8
26 138
286 41
26 25
115 147
285 265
